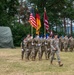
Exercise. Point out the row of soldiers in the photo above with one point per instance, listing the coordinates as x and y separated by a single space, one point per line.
66 44
33 46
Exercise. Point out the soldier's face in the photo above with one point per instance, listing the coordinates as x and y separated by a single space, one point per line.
66 36
31 37
28 35
56 36
37 36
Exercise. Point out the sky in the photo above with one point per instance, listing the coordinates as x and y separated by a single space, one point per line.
24 0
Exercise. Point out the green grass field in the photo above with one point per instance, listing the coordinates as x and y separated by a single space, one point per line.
11 64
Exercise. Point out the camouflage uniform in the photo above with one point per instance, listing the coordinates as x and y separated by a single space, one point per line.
71 44
42 50
65 43
28 48
35 48
23 46
55 49
61 43
38 48
47 48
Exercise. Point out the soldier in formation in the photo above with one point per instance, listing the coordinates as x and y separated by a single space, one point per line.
61 43
65 43
23 47
33 47
37 46
71 43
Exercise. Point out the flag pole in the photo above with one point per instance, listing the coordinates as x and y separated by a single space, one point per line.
32 7
31 30
44 25
44 30
32 20
38 22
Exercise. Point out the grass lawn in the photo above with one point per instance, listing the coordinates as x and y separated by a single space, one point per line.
11 64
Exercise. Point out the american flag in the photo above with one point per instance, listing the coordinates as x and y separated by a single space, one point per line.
32 21
46 24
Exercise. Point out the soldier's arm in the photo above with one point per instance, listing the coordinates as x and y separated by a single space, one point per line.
69 40
51 44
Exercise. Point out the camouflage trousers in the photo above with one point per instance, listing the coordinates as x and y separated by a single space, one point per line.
53 52
22 53
71 48
65 47
27 53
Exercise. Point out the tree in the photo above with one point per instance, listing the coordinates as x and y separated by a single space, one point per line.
54 7
8 9
68 13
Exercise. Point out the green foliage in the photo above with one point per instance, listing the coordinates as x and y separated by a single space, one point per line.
56 10
19 31
8 8
73 35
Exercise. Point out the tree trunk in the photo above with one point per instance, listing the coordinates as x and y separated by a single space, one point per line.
19 18
71 27
64 25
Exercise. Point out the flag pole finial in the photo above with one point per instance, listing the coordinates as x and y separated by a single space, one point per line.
45 9
36 7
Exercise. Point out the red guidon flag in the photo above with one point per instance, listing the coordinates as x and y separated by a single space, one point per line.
32 21
46 24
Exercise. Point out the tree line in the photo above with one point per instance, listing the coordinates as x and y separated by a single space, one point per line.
58 11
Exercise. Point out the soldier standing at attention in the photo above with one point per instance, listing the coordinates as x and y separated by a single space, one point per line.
61 43
55 50
71 43
65 43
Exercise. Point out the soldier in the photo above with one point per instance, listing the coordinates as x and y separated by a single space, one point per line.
43 41
65 43
23 49
71 43
38 47
28 47
32 54
47 48
55 49
61 43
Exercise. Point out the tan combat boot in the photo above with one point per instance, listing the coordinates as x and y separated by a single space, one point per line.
60 64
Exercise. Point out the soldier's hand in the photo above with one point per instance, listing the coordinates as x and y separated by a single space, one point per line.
55 49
